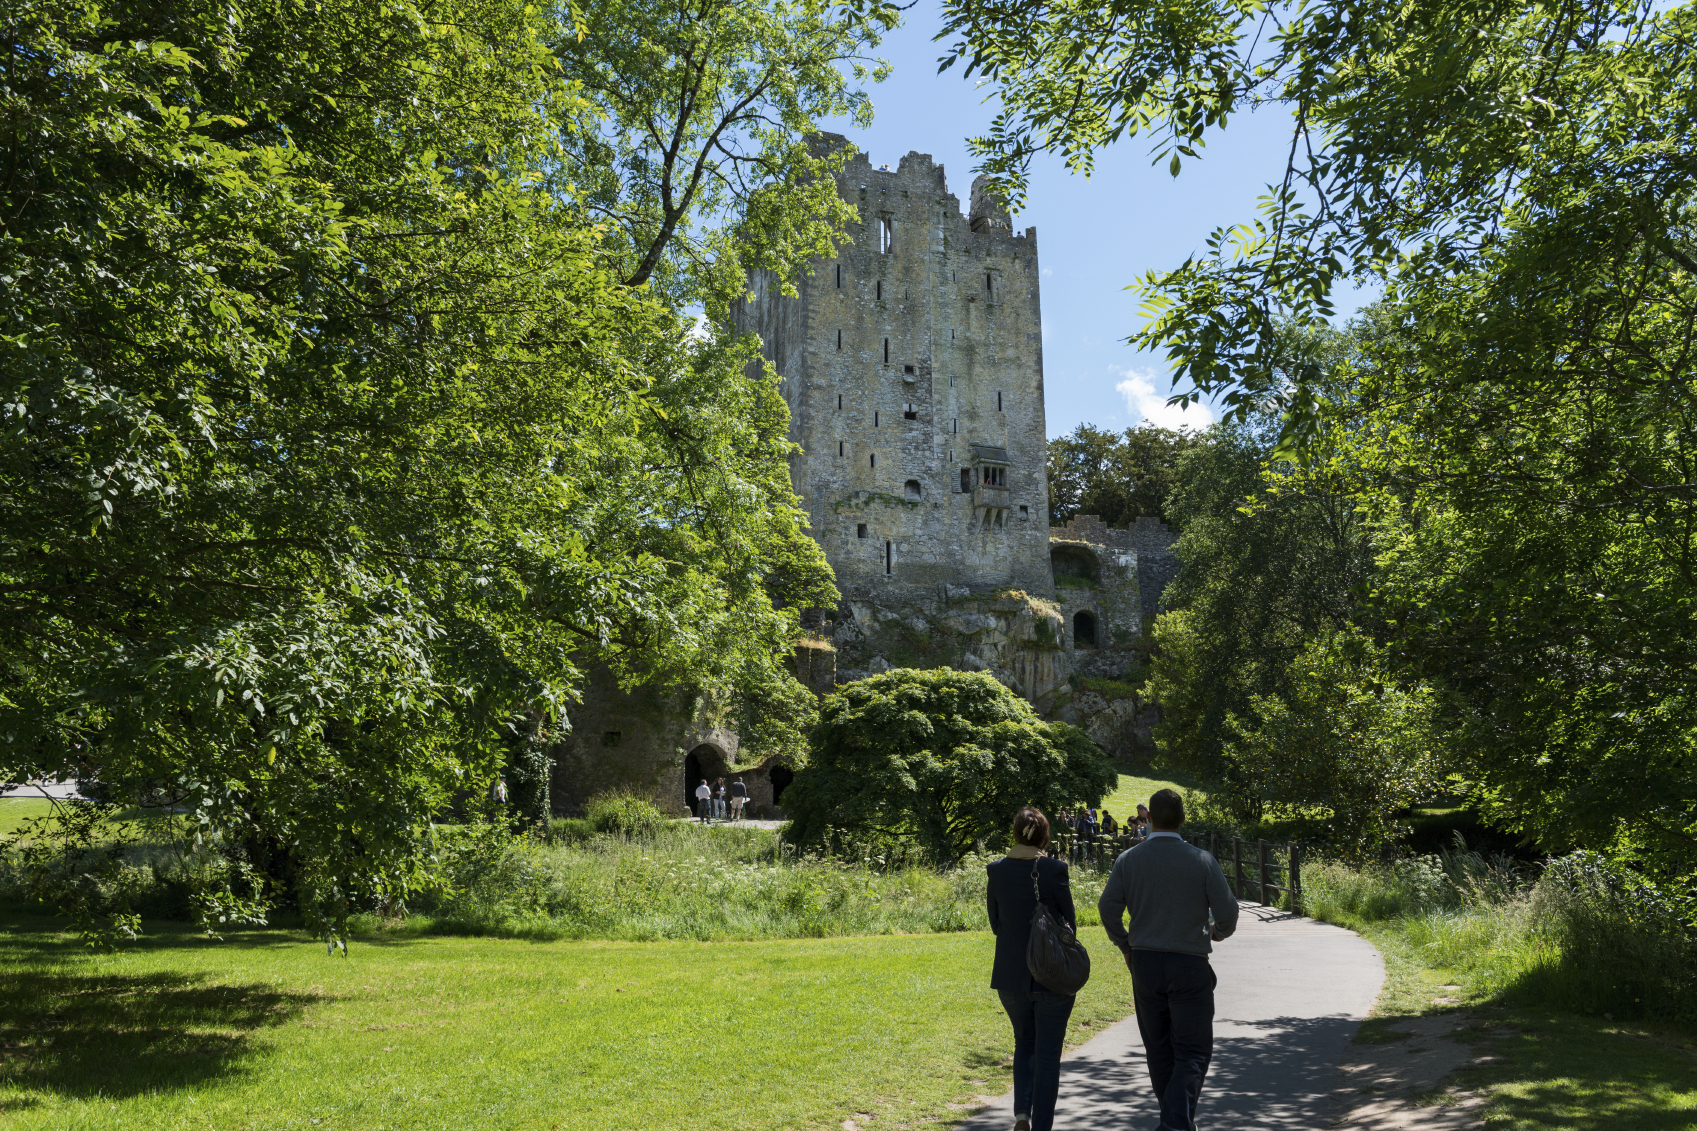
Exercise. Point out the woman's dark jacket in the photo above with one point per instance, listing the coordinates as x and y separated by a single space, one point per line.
1011 904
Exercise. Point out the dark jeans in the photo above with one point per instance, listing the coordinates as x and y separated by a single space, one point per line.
1175 1014
1039 1030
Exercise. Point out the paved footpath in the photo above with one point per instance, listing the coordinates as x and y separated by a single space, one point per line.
1291 994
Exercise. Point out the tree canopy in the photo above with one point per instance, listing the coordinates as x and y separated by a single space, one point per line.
1119 477
337 441
941 758
1517 428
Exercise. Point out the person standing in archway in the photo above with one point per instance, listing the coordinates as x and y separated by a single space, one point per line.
704 802
1170 888
739 799
719 799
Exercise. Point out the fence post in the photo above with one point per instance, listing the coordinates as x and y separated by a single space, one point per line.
1237 866
1295 880
1214 845
1261 854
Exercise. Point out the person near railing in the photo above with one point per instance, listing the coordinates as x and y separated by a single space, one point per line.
1169 889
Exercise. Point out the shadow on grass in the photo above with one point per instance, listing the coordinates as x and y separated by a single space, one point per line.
1553 1071
73 1031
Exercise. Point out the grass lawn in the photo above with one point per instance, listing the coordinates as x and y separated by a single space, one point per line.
14 811
266 1031
1545 1069
1134 791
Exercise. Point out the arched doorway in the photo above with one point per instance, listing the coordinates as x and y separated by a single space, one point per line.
1084 630
692 778
782 776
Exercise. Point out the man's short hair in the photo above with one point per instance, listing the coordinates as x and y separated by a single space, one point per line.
1166 809
1031 828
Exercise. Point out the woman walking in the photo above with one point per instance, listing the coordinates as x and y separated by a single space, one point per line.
1039 1016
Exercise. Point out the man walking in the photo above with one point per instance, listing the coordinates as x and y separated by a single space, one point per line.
1170 888
739 799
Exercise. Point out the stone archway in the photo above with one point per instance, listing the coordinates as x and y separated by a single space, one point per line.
781 777
706 762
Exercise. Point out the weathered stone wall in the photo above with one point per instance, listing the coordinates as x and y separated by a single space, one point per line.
1149 543
912 365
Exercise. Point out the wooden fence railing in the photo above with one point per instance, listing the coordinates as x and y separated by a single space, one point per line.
1255 869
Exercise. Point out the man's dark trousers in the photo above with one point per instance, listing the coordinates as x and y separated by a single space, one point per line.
1175 1014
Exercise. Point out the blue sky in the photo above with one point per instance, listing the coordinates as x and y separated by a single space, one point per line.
1093 236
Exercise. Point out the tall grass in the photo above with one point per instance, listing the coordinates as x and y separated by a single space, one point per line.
1580 934
684 882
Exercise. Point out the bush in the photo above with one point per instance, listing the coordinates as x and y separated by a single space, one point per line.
624 813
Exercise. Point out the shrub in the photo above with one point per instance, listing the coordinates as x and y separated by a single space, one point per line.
624 813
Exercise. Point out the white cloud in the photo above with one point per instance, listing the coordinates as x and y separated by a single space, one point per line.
1145 403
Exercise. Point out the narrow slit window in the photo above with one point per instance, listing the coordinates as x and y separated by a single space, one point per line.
998 402
886 351
965 481
886 235
874 459
988 286
878 290
860 531
839 449
889 556
954 426
839 402
839 339
874 418
839 276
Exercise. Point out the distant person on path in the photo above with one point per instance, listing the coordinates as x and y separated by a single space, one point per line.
719 799
1039 1017
739 798
498 791
704 802
1169 888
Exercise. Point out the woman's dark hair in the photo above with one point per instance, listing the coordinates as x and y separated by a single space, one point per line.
1031 828
1166 810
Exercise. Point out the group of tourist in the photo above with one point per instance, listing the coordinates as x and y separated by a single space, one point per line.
710 800
1088 828
1178 903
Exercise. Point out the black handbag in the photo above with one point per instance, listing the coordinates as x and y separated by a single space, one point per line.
1054 955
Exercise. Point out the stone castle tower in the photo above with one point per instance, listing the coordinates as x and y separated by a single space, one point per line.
913 368
912 363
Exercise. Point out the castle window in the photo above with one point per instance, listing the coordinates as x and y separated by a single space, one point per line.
911 412
839 339
839 449
998 402
886 351
989 288
878 290
912 490
965 480
998 518
886 235
1024 512
860 531
874 459
839 402
907 369
839 276
874 418
951 338
1084 630
889 556
954 426
612 737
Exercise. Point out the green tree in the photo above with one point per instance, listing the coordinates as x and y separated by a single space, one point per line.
1518 178
1343 741
335 442
1118 476
942 758
696 140
1269 563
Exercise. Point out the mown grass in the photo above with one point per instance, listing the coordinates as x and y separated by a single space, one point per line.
14 811
266 1031
1580 1007
1133 791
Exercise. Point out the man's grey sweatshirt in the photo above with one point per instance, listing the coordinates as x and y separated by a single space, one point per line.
1169 887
